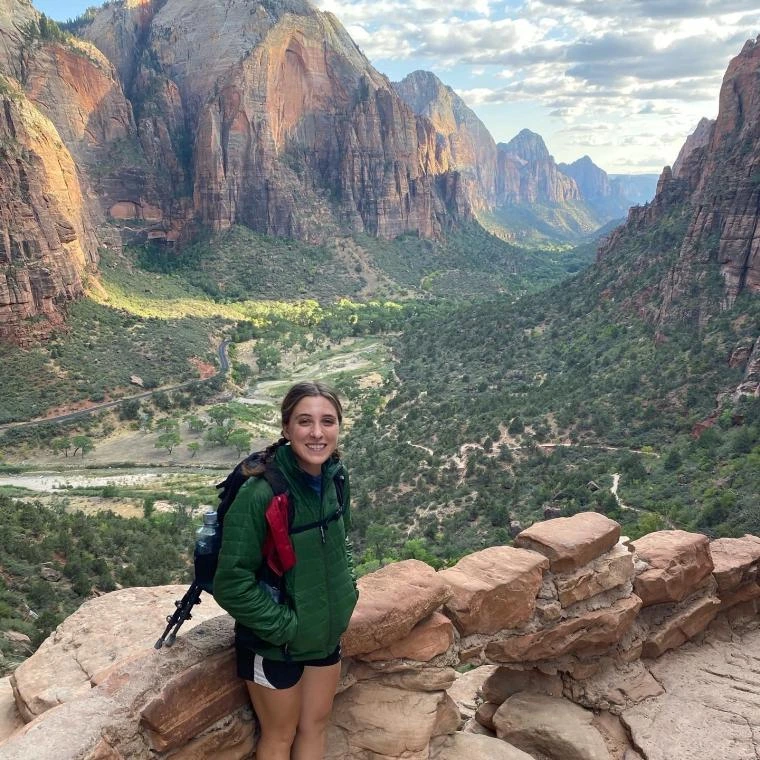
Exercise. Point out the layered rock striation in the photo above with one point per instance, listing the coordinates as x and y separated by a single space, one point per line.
46 238
576 628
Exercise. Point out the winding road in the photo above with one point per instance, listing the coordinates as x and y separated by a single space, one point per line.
224 366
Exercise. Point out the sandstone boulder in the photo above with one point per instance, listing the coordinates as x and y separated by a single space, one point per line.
613 569
429 638
549 727
193 700
104 631
668 631
589 633
376 718
484 715
494 589
677 563
571 542
10 720
391 602
735 561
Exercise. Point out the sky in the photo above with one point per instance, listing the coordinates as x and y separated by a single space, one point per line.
622 81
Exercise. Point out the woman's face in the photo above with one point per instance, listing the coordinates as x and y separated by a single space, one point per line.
313 432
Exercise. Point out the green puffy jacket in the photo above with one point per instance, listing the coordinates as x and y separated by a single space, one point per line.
320 589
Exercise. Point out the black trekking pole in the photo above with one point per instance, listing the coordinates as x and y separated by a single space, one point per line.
183 612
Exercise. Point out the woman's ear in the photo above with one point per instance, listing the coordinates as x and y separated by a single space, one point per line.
284 435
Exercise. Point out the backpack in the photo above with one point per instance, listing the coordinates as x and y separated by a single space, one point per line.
277 550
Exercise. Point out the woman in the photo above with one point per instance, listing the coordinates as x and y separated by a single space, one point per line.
288 643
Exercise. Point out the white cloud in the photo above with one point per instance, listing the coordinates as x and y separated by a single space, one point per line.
642 69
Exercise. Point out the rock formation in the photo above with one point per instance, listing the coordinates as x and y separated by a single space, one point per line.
592 181
590 649
715 193
292 130
529 174
46 243
469 143
699 138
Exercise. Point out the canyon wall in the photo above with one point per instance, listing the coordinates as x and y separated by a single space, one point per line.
715 188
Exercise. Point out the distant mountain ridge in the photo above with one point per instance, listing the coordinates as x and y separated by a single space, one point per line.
518 174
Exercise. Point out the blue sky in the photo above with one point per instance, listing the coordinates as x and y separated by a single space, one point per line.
623 81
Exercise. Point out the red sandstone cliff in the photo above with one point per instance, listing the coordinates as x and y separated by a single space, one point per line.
292 132
716 192
461 134
46 239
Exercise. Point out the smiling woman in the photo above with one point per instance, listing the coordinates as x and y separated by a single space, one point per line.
288 626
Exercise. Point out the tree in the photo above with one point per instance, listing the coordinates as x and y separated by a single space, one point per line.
167 440
241 440
130 409
82 443
167 425
672 460
267 357
162 401
61 445
224 417
195 424
194 448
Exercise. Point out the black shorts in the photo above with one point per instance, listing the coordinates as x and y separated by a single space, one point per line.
277 674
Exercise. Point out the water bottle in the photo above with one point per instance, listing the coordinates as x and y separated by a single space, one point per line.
206 554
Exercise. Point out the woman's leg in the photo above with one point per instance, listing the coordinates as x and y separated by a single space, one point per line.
318 685
278 711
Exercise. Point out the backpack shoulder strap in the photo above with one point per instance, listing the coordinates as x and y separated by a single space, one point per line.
275 478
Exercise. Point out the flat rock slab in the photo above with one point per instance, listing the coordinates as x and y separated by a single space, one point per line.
392 601
711 705
551 727
677 564
103 632
571 542
735 560
494 589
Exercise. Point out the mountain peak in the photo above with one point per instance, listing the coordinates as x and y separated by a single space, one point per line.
527 145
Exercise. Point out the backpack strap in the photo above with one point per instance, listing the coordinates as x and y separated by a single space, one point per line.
340 492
